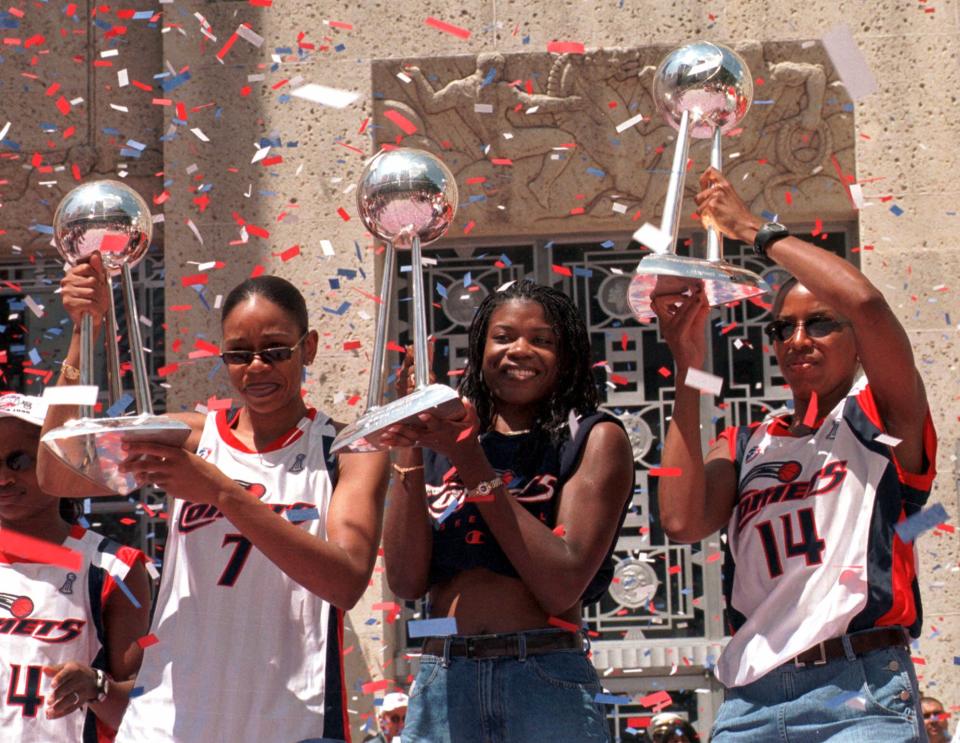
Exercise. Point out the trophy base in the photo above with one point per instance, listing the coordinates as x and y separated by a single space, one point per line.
667 273
363 435
93 447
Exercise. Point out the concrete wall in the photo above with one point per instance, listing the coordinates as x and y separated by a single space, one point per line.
207 190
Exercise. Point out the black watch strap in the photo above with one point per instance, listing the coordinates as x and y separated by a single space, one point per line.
767 236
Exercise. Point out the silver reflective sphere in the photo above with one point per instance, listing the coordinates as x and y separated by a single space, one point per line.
710 81
103 215
407 192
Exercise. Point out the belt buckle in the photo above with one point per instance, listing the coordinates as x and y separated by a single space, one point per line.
821 661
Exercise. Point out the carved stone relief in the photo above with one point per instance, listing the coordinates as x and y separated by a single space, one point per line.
534 141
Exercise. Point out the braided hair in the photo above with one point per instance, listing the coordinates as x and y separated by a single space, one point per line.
574 388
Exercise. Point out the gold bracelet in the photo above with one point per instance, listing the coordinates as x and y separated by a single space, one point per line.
404 471
70 372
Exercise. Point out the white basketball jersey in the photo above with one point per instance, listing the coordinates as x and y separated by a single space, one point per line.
244 652
50 615
812 549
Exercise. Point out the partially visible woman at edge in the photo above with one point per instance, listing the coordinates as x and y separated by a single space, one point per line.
508 522
68 635
822 594
271 538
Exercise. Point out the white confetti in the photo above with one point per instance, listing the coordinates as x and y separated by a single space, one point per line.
849 62
653 237
632 121
123 78
325 96
248 34
483 108
327 247
198 132
71 394
703 381
35 308
885 438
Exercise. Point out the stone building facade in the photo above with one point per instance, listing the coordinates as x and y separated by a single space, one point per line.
194 104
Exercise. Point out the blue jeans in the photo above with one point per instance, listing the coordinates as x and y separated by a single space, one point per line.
546 697
870 699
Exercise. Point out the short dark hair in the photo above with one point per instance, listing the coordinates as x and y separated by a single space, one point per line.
279 291
575 388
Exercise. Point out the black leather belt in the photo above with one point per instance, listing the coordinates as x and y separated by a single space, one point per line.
514 645
861 644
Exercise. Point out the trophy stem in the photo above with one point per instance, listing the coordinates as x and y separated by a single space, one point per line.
86 359
670 221
141 384
420 357
114 385
375 390
714 238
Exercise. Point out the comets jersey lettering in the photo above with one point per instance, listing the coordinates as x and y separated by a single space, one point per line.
244 653
50 615
812 551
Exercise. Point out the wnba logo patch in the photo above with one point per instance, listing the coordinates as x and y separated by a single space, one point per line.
298 463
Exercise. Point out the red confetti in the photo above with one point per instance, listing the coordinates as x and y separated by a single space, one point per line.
665 472
374 686
147 640
166 370
407 126
197 279
14 544
448 28
351 345
566 47
290 253
563 624
343 214
810 417
562 270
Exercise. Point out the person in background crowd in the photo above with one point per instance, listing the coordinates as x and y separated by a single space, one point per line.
392 716
935 720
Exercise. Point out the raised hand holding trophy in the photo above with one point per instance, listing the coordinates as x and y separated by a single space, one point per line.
407 198
112 218
702 90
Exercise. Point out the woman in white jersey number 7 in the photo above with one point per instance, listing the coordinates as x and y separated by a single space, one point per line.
822 594
271 538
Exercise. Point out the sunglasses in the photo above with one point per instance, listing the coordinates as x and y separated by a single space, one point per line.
267 355
815 327
395 718
19 461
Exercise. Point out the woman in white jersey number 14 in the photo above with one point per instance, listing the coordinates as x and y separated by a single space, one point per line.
822 594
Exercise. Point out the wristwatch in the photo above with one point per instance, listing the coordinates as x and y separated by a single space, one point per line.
103 685
766 236
485 488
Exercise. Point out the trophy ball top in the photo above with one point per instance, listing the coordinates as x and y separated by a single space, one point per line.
710 81
103 215
406 192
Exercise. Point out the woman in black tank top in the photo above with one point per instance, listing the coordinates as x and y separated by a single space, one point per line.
507 518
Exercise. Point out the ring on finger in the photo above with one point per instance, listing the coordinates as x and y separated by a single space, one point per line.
76 698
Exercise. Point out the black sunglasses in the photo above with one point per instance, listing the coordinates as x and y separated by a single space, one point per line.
814 327
266 355
19 461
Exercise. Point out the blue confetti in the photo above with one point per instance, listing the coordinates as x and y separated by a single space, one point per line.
440 627
303 514
842 698
120 406
600 698
920 522
136 691
450 509
35 357
896 210
442 290
127 591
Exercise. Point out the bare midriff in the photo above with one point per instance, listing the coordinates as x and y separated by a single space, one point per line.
485 603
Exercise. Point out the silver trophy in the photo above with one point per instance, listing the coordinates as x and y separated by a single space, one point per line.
703 90
109 217
407 198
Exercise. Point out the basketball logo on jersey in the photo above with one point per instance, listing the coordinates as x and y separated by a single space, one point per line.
826 480
18 606
298 463
67 586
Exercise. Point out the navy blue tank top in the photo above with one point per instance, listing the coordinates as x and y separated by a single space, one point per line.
535 470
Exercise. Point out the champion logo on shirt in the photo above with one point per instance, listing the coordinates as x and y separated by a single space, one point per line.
827 479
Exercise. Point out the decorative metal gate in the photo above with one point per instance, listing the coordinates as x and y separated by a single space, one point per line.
660 626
